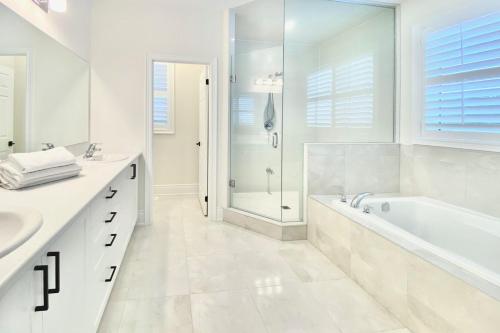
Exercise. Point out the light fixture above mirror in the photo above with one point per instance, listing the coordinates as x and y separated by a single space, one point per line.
59 6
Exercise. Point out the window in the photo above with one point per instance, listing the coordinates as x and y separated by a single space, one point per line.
354 94
244 108
462 82
163 97
319 98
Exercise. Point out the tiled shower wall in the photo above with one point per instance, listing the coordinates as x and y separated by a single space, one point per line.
466 178
352 168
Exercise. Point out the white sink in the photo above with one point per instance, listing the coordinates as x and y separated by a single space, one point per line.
105 158
17 225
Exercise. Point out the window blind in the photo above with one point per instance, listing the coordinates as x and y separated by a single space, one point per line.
462 94
244 109
319 98
160 95
354 94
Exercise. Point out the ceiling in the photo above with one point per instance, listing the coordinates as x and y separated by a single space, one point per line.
305 21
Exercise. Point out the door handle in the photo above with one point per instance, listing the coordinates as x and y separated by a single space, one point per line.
11 143
134 171
113 268
275 140
45 271
113 237
198 144
113 215
57 258
113 192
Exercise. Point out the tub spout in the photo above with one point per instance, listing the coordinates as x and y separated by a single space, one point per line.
356 201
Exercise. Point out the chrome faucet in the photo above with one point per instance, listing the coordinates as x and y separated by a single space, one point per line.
356 201
47 146
91 150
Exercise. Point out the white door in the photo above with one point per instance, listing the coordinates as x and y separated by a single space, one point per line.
203 143
6 110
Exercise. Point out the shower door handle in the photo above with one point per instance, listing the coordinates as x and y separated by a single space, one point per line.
275 140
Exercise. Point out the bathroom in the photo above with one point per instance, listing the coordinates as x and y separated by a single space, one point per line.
249 166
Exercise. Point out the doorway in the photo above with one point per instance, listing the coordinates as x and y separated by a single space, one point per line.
179 110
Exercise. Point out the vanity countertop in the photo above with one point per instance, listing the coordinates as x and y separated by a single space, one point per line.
59 203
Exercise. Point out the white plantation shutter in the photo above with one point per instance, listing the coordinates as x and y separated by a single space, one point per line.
462 69
354 94
319 98
162 96
244 106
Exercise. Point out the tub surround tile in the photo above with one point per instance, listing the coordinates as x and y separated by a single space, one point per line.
458 176
342 168
424 298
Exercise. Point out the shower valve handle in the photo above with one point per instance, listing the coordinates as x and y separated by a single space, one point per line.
275 140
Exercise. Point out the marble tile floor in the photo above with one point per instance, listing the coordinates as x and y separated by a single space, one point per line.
185 273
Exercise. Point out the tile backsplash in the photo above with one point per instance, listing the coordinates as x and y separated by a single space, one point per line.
352 168
466 178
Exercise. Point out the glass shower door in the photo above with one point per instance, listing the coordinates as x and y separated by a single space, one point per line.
256 108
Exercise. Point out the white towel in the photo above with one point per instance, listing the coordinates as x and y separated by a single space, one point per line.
11 178
41 160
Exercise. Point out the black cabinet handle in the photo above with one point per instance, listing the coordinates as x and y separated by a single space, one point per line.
45 270
113 237
113 215
134 171
57 258
113 192
113 268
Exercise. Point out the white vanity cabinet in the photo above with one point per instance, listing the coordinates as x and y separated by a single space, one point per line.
66 287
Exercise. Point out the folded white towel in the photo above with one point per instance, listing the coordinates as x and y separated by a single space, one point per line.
41 160
12 179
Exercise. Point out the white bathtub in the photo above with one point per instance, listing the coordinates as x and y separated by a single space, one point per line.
463 242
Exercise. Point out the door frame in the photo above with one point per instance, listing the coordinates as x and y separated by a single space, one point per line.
212 68
28 113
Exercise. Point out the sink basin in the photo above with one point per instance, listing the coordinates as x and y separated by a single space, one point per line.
17 225
106 158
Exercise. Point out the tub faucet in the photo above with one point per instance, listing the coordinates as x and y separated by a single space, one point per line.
356 201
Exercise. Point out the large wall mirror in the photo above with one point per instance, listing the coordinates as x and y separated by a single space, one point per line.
44 89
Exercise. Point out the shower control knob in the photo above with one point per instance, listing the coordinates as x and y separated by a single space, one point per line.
198 144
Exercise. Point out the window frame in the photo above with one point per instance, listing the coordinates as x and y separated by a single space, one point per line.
170 127
461 140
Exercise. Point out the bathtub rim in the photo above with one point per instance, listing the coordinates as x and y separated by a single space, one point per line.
471 273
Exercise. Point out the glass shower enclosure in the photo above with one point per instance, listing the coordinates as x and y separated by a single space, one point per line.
303 71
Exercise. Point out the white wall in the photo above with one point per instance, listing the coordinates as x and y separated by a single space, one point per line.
71 28
123 33
175 156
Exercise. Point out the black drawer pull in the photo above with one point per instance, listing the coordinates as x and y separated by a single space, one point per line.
112 274
113 237
57 258
113 215
45 270
134 171
113 192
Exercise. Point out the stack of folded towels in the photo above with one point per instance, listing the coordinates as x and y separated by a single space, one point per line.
29 169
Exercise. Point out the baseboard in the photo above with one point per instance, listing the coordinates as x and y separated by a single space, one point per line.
176 190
